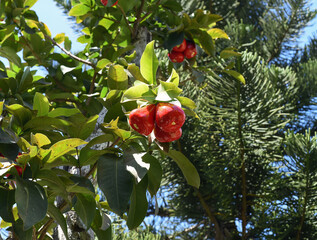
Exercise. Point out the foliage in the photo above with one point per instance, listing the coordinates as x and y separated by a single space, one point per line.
53 104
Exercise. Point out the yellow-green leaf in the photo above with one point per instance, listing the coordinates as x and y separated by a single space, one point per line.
236 75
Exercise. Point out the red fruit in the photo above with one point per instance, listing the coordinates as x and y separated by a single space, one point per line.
169 117
190 50
142 119
105 2
162 136
176 56
181 47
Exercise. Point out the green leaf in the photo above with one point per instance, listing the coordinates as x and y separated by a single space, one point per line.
100 226
139 205
140 91
6 202
115 182
29 3
63 147
229 52
135 165
31 202
236 75
82 127
167 91
216 33
22 114
154 174
1 107
11 55
102 63
188 169
85 208
79 10
206 42
186 102
46 123
20 233
149 64
174 39
65 112
56 214
112 127
41 104
136 73
117 78
39 139
174 78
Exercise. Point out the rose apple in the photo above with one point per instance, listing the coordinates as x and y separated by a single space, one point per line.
105 2
162 136
169 117
176 56
190 50
142 119
181 47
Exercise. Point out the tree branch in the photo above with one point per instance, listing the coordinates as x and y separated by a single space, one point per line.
69 53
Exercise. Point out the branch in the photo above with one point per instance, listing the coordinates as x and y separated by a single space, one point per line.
69 53
125 18
138 20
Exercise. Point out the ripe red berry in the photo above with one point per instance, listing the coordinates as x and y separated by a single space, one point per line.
176 56
169 117
162 136
142 119
190 50
105 2
181 47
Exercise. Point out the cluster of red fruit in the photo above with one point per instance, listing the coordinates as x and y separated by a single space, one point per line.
186 49
19 169
105 2
165 118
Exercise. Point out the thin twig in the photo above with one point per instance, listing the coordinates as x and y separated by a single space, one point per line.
69 53
125 18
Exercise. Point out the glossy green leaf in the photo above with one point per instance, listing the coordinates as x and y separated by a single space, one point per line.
46 123
20 233
39 139
149 64
136 73
135 165
115 182
236 75
31 202
117 78
29 3
216 33
56 214
85 207
174 78
167 91
140 91
98 226
154 173
21 113
229 52
1 107
41 104
65 112
186 102
6 202
79 10
139 205
63 147
188 169
11 55
102 63
174 39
